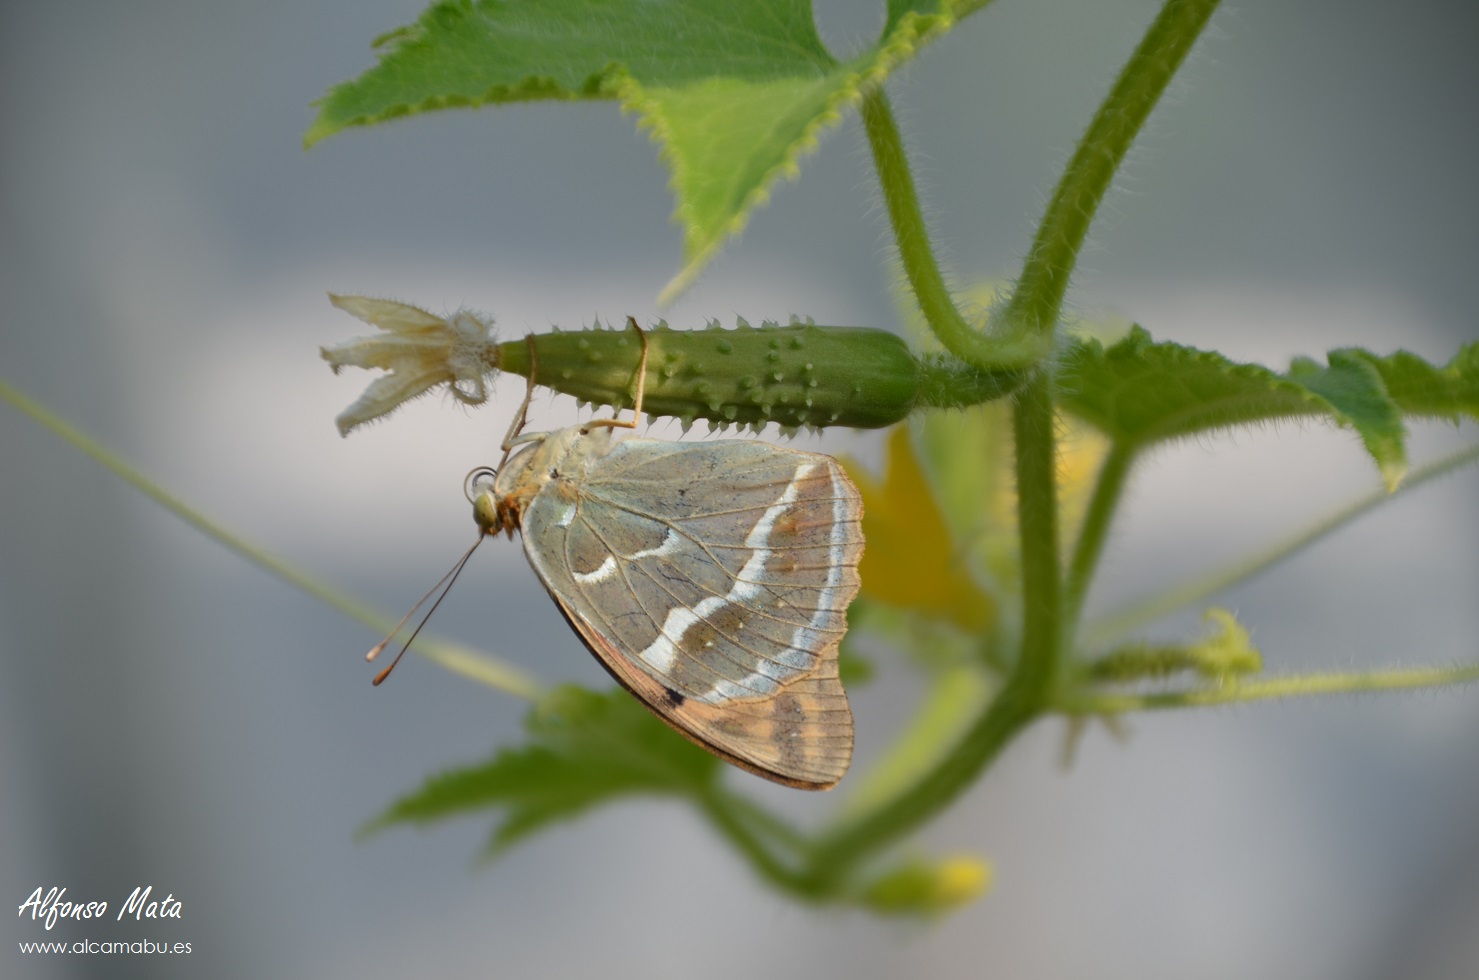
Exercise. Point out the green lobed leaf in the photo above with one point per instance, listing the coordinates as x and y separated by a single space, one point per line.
1140 392
1353 390
584 749
735 92
1422 390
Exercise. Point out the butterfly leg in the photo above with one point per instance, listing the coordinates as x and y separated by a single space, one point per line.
521 416
615 423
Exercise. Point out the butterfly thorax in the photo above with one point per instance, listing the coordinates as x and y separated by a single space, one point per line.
553 462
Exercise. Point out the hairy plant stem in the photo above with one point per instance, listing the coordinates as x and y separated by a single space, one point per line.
911 235
1027 690
1035 305
1091 537
1033 314
1267 689
838 853
1037 517
1147 610
987 352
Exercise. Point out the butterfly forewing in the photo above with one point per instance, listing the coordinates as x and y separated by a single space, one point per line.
713 582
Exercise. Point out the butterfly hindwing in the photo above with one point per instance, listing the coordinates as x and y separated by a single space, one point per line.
713 581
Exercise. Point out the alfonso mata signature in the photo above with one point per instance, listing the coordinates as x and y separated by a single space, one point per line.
53 905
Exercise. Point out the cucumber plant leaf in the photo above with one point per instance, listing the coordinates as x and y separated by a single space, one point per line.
1422 390
734 92
584 749
1139 392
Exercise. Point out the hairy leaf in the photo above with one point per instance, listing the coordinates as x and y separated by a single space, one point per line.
1422 390
735 92
1140 392
584 749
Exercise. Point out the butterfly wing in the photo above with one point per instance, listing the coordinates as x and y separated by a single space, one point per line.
713 581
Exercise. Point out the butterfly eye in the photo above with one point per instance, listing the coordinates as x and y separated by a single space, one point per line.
478 482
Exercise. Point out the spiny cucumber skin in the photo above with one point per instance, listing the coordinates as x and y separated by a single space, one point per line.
795 375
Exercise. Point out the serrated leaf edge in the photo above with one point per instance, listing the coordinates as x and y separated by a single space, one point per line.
910 35
1390 459
598 85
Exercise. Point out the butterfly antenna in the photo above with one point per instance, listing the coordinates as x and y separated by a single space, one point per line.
379 648
450 579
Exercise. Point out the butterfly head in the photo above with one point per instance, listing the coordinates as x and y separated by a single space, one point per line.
481 490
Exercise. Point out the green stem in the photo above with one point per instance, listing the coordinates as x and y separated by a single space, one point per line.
910 232
475 665
1034 312
785 836
1035 305
1148 610
1091 537
730 820
839 852
1037 517
497 674
1027 691
986 352
1269 689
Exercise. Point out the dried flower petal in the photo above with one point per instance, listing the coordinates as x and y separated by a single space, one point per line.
419 350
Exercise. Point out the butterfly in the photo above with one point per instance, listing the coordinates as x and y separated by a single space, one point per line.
711 580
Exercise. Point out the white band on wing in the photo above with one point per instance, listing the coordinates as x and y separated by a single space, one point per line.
662 653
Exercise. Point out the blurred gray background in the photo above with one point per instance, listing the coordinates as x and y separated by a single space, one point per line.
171 715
